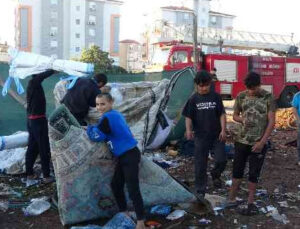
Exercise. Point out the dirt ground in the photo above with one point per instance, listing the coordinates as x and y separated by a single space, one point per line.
280 177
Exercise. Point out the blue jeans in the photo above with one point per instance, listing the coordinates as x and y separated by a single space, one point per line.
202 146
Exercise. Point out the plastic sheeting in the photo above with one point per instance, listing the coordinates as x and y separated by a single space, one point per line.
24 64
17 140
139 102
84 170
12 161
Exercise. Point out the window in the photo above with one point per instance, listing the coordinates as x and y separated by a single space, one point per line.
54 2
77 21
54 15
213 19
54 56
53 31
186 16
77 35
179 57
92 20
92 6
92 32
77 8
53 44
77 49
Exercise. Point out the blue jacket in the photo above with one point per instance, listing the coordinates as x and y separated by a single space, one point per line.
120 136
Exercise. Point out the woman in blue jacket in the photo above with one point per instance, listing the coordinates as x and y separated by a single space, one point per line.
113 129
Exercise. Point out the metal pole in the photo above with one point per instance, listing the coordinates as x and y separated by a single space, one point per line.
195 27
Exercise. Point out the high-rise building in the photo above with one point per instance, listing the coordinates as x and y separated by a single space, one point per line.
64 27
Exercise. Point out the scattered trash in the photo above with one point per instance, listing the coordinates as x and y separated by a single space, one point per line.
284 204
228 183
271 208
176 214
87 227
153 224
164 163
280 218
4 206
261 192
217 210
204 221
161 210
120 220
37 207
6 190
31 182
244 226
172 152
263 210
215 200
235 221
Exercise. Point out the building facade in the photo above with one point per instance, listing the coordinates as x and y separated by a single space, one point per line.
220 20
131 55
64 27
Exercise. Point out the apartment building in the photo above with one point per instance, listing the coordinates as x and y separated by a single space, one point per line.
131 55
64 27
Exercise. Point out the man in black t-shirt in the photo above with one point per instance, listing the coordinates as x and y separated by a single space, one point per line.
205 121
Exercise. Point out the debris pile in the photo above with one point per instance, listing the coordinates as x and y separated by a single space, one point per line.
285 119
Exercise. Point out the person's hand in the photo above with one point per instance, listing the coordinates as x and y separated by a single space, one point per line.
222 136
258 146
189 135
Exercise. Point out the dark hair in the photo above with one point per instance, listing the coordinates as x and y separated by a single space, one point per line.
106 96
100 77
252 80
202 77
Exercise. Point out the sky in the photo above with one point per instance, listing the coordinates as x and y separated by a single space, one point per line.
269 16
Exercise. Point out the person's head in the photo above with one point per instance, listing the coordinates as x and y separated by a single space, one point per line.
104 102
101 79
252 83
213 71
203 81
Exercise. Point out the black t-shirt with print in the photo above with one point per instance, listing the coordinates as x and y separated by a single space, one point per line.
205 111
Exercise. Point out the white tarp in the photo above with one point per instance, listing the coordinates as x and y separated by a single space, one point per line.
17 140
12 161
23 64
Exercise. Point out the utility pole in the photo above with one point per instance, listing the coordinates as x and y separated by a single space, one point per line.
195 28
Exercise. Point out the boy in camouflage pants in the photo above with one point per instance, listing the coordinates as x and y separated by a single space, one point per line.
254 109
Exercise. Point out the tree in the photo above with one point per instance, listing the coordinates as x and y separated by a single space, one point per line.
100 59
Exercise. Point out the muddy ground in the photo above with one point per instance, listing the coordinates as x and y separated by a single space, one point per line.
280 174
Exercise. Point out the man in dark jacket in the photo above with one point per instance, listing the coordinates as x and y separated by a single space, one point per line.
83 95
38 142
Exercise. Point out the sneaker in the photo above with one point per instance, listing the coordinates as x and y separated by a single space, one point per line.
217 183
48 180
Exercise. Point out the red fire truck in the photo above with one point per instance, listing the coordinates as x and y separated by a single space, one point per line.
280 75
